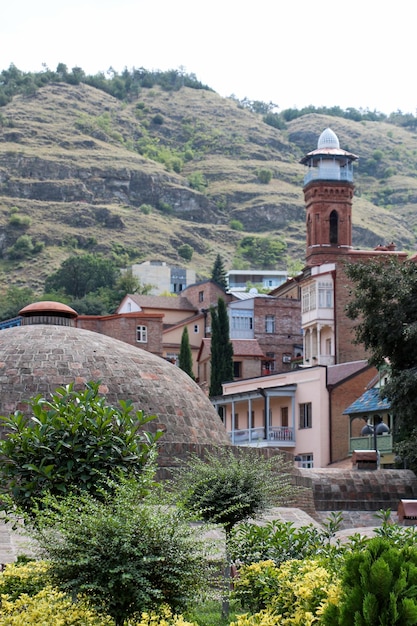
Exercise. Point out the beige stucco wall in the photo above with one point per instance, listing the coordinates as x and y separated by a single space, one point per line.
310 387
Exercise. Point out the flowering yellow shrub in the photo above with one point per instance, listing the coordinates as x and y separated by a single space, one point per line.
305 589
256 585
294 594
164 617
263 618
49 607
18 578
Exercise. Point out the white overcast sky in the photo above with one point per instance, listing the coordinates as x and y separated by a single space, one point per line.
358 53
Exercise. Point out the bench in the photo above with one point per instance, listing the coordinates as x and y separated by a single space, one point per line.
407 512
365 459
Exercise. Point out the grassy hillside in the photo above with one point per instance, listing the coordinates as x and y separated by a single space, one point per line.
83 171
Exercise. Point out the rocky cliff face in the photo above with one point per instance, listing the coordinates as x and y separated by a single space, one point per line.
80 169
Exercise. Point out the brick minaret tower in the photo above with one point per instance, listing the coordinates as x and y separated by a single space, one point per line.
328 191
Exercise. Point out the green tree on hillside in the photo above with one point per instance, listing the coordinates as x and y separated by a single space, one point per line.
185 360
221 349
13 300
218 272
262 252
80 275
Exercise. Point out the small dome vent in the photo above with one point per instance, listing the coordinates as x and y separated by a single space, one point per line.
48 312
328 139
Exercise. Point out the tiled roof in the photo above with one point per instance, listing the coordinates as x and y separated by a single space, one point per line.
163 302
369 402
241 347
337 373
247 347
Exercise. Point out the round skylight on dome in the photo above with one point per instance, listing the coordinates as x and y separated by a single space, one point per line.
328 139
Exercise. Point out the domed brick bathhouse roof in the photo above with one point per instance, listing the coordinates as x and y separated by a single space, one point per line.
39 356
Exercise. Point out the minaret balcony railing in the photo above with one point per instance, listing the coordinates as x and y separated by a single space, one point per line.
324 173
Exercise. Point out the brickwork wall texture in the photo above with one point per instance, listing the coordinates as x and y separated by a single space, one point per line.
340 398
287 332
360 490
210 293
123 328
38 359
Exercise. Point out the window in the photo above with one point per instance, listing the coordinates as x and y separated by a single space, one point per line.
305 415
333 222
306 461
272 363
201 296
325 294
141 334
237 369
308 298
269 323
172 357
284 416
242 320
328 346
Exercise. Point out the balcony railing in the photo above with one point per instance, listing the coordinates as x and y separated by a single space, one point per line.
323 173
383 443
277 434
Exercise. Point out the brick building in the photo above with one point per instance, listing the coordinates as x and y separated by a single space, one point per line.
321 291
323 287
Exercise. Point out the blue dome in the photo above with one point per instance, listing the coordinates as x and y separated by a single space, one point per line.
328 139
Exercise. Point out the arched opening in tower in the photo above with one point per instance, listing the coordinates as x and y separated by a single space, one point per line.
334 225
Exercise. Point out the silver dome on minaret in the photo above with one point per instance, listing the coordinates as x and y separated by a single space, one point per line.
328 139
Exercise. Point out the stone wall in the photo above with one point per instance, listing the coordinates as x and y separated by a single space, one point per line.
360 490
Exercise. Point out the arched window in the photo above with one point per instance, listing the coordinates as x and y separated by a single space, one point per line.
334 223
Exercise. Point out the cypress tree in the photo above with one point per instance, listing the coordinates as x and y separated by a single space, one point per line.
185 360
218 273
221 349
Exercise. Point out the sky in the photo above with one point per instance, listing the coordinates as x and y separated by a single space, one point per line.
359 53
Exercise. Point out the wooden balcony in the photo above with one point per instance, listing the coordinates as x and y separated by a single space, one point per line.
383 443
278 436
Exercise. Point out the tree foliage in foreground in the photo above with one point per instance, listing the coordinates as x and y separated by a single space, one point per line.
72 441
384 305
233 484
122 554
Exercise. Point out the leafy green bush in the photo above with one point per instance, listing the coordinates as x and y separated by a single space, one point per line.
281 541
22 248
264 252
378 586
229 485
197 181
72 441
264 176
158 119
20 221
123 554
236 225
186 251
